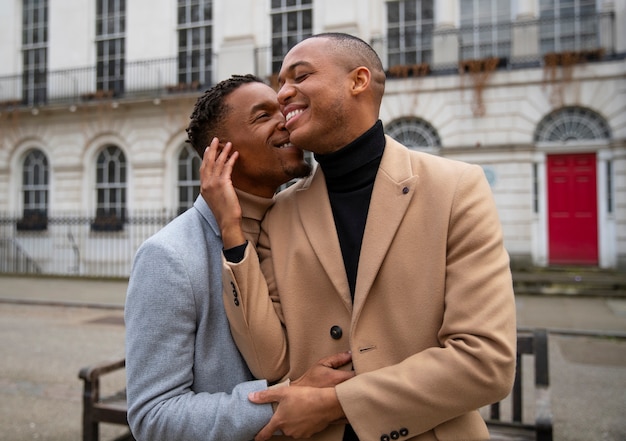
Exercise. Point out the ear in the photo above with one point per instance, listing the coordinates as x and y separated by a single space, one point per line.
361 78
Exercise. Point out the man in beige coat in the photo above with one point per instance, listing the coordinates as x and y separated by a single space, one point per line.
394 255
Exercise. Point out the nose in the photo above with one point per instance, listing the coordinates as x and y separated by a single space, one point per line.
281 123
285 92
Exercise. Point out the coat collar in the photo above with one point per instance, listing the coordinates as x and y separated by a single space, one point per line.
253 209
393 190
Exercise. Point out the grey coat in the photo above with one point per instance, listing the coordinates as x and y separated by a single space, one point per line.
185 377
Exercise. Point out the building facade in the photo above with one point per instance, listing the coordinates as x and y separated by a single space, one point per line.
95 96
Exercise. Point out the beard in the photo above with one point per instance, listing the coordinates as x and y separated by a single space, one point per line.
300 170
323 133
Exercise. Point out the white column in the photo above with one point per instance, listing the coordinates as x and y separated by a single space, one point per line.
525 35
446 43
234 42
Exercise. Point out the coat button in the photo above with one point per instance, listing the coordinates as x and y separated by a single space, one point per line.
395 435
404 431
384 438
336 332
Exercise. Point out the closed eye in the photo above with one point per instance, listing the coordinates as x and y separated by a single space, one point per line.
301 77
261 116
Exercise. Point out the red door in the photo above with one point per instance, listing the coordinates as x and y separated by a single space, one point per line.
572 209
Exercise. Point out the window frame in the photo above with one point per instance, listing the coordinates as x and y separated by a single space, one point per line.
188 186
35 191
490 32
110 189
195 43
420 50
34 51
288 35
401 129
110 46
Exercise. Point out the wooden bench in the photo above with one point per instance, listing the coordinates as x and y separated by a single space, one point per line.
530 343
102 409
514 427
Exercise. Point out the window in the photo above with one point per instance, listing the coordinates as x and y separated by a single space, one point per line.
110 45
188 177
568 25
485 29
292 21
35 192
410 32
570 124
414 133
34 51
195 42
110 190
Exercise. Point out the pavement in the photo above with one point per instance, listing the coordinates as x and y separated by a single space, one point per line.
594 315
51 327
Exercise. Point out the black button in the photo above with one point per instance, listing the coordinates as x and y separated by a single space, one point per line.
394 435
404 431
384 438
235 294
336 332
405 190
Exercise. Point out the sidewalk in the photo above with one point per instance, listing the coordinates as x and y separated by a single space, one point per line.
558 313
45 345
99 293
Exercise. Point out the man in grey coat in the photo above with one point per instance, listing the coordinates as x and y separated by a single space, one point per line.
186 380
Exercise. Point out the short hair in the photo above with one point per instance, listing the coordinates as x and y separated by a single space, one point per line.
210 111
353 49
356 52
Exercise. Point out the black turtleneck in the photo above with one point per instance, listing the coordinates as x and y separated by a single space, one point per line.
349 173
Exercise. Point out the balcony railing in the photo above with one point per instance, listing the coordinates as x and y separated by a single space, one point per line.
142 79
516 44
519 44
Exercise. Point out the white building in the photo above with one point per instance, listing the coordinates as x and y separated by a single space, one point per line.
95 96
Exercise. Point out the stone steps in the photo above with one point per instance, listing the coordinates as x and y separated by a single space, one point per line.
570 281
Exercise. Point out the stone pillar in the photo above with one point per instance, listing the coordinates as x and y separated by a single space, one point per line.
445 35
234 38
525 33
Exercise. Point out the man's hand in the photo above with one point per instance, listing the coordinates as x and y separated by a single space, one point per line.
310 403
216 188
301 412
326 373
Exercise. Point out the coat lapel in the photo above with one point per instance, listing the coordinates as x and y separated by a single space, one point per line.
319 226
394 188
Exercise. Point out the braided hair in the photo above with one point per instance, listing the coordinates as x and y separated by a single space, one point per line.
210 111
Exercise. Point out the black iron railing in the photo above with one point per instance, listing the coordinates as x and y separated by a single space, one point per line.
515 44
70 245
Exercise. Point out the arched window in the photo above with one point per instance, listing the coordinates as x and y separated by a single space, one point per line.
35 177
188 177
414 133
572 124
110 189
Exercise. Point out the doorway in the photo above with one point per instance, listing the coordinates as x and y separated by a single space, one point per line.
572 209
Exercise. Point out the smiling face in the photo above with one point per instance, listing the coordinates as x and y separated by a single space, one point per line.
325 95
255 126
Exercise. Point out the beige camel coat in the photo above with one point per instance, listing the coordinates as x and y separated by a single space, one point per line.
432 327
